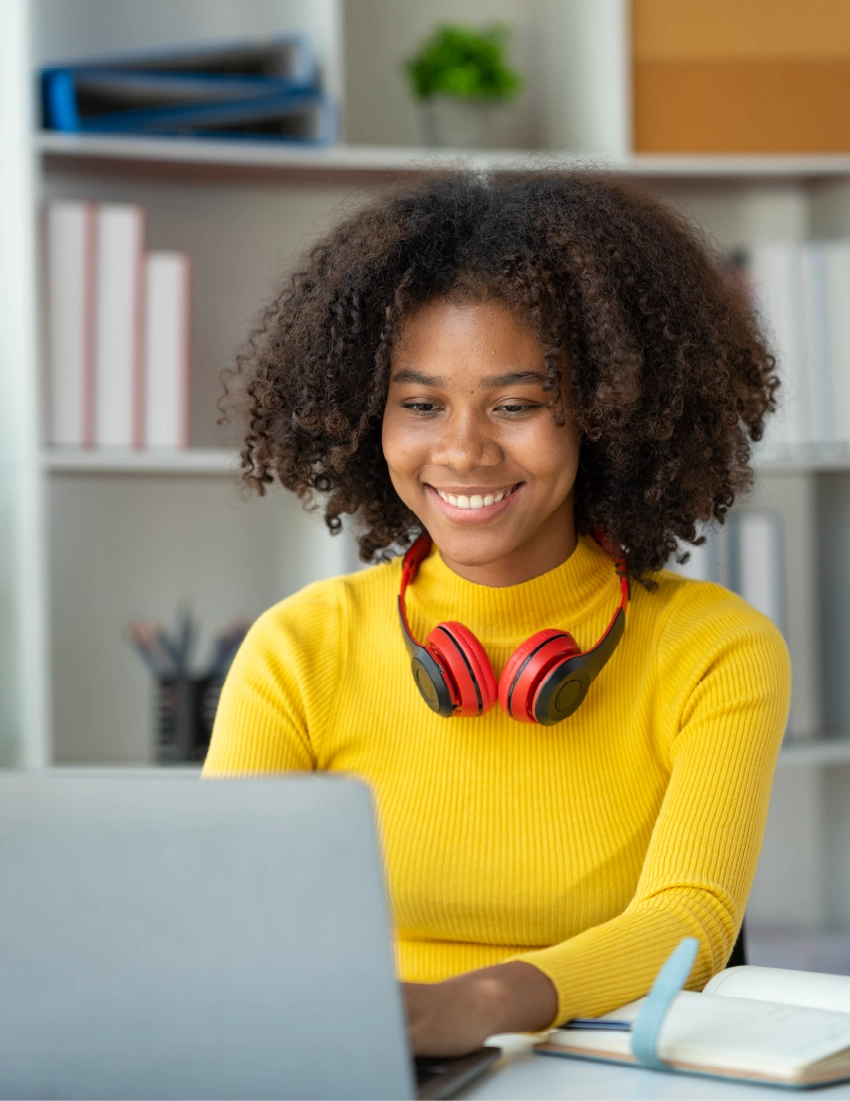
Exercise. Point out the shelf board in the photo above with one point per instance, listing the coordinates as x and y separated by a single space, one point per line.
196 460
810 459
268 155
218 461
818 752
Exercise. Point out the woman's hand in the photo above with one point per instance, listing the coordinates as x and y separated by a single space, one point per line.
456 1016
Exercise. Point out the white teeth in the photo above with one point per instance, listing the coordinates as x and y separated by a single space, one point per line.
476 501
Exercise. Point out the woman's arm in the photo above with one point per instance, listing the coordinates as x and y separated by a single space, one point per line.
729 719
279 691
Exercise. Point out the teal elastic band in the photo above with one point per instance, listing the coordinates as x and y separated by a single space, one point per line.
668 983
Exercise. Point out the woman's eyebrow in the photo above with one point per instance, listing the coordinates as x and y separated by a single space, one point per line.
515 378
487 382
418 378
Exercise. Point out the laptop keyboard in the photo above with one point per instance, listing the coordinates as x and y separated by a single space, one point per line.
438 1078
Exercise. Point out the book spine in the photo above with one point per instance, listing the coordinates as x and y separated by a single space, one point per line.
757 561
777 283
816 337
167 349
71 273
119 377
838 312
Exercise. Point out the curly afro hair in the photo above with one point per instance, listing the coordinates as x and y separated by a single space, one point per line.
669 378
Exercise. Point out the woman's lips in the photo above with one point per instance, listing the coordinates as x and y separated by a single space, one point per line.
473 511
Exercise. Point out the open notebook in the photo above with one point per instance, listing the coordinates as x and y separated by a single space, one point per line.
762 1024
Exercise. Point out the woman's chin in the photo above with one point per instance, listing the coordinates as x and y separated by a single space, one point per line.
473 548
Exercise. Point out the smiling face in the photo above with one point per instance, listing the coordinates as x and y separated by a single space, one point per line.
472 447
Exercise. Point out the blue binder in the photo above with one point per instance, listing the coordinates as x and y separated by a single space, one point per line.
246 88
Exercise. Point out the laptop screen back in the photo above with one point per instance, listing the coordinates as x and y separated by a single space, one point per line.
167 937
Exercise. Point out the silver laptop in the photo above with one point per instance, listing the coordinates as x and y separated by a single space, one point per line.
166 937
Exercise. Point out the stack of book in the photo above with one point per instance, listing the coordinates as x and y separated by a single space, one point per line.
255 88
118 330
802 290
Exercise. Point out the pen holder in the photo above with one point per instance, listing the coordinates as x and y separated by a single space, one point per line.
186 708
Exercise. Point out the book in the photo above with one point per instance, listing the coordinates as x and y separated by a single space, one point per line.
756 560
302 115
759 1024
118 325
167 349
169 90
838 313
816 341
777 283
305 117
71 234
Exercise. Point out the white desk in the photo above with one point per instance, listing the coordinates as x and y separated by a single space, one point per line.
521 1075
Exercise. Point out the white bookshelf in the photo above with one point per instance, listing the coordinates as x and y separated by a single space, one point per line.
196 460
98 537
249 155
823 752
344 158
217 460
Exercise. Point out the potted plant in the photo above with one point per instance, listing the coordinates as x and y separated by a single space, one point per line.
463 82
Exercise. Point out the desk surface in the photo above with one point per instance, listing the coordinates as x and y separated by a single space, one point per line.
522 1074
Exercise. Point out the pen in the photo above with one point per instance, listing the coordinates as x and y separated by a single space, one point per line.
596 1024
147 644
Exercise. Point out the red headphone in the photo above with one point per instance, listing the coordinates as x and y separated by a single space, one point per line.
543 681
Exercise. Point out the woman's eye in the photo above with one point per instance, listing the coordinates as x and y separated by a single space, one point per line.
514 409
420 407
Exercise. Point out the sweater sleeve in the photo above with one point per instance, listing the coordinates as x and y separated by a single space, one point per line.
278 694
725 721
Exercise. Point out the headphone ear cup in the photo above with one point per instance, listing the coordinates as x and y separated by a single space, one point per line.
560 692
434 687
463 658
528 666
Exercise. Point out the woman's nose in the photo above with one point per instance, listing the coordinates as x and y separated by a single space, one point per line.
466 444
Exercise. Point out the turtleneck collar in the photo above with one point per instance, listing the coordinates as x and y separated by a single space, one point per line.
504 617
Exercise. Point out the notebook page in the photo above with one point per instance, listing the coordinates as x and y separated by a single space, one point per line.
739 1034
775 984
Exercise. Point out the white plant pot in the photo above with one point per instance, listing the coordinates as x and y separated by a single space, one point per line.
464 123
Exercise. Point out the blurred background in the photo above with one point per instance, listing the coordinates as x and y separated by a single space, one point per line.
163 164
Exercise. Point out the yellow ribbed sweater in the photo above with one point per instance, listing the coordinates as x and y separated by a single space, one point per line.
588 849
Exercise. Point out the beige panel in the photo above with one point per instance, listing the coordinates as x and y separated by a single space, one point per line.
742 107
679 30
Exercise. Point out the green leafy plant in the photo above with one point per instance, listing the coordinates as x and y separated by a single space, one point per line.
464 63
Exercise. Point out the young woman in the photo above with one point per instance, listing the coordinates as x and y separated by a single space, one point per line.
544 383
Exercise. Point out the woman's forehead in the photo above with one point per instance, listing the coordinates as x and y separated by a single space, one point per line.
444 332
